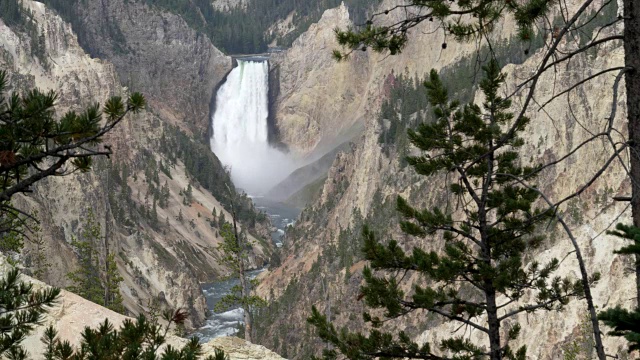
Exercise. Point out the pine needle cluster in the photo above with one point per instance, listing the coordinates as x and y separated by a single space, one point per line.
463 20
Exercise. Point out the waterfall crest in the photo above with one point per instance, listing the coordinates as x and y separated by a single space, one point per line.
240 130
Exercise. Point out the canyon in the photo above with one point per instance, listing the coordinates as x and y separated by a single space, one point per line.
310 137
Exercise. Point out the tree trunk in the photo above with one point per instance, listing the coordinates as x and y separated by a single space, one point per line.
590 306
247 311
106 242
494 324
244 291
632 80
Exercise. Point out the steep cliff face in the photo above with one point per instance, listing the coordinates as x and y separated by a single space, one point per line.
315 91
323 101
156 52
79 80
163 252
362 184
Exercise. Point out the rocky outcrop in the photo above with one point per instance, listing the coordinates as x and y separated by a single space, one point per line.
225 5
71 314
305 176
156 52
315 91
239 349
323 101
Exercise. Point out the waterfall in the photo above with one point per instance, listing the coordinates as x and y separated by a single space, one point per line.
240 130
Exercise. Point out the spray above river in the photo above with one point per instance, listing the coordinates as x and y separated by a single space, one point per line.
240 129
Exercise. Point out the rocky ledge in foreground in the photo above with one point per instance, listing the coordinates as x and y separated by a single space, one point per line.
73 313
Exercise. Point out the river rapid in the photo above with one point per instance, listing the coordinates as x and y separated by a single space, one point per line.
227 323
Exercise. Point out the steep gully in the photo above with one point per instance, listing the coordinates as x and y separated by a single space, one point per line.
240 138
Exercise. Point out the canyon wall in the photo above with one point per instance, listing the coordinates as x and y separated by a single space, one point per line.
165 257
323 101
362 184
156 52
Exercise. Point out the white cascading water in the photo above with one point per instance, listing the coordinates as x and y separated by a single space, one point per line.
240 130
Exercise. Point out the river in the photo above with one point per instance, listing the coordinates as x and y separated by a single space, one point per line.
227 323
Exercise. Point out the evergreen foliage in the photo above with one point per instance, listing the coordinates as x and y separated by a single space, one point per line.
123 206
407 105
141 338
591 28
35 145
463 20
21 309
112 284
204 167
234 255
246 30
188 195
38 262
86 279
483 252
89 280
625 322
234 250
12 242
12 12
21 19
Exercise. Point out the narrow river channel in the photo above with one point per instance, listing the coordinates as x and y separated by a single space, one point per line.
227 323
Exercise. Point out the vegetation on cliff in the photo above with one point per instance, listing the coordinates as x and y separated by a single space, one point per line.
33 146
245 29
486 14
585 32
234 250
21 309
13 13
483 251
625 322
99 284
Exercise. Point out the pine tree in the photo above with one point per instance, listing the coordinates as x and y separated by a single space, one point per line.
164 196
141 338
12 240
484 243
234 255
588 27
154 214
221 220
22 309
90 279
188 195
39 260
113 280
35 145
86 279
